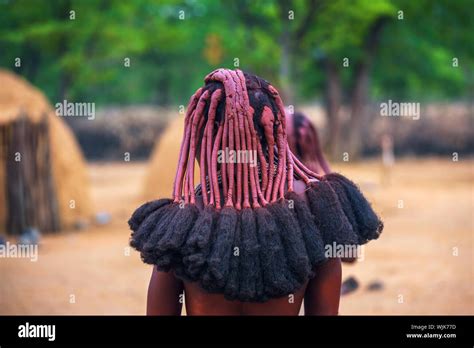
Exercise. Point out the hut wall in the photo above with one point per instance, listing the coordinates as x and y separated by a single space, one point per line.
30 194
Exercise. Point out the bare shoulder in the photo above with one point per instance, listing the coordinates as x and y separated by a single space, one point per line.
323 291
300 187
200 302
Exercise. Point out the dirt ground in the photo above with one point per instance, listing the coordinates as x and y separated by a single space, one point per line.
423 260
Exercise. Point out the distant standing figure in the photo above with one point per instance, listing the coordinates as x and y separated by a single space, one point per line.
304 141
388 158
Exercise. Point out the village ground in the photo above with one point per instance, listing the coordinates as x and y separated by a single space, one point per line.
423 262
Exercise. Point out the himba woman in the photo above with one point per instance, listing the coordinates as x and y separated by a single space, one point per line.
248 239
303 139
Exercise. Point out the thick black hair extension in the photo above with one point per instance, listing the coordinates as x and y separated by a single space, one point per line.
149 248
251 282
142 212
252 238
368 224
231 289
313 239
272 256
219 257
328 214
197 246
292 239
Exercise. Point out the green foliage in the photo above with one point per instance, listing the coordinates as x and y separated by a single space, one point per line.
83 58
342 25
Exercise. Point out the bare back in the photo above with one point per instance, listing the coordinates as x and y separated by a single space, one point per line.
200 302
321 294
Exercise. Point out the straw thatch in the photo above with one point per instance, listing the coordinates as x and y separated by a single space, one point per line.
48 188
164 160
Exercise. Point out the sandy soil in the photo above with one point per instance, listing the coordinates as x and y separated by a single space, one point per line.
424 258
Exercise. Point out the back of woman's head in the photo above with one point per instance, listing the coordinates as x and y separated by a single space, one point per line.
253 238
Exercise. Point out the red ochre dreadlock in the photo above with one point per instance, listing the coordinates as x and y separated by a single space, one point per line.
304 142
236 132
243 231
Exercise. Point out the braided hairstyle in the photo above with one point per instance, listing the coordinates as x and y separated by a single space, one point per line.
303 140
243 231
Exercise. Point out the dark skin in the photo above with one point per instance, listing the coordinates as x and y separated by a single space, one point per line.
321 294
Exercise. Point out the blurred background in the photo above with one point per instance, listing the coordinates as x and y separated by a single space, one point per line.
68 184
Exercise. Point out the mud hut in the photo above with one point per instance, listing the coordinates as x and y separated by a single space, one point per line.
164 160
43 177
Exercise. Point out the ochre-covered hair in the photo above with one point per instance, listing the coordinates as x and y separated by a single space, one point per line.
243 231
304 142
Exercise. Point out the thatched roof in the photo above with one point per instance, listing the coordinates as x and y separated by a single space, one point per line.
164 160
18 98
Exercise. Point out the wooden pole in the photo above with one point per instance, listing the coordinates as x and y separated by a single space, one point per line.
31 195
